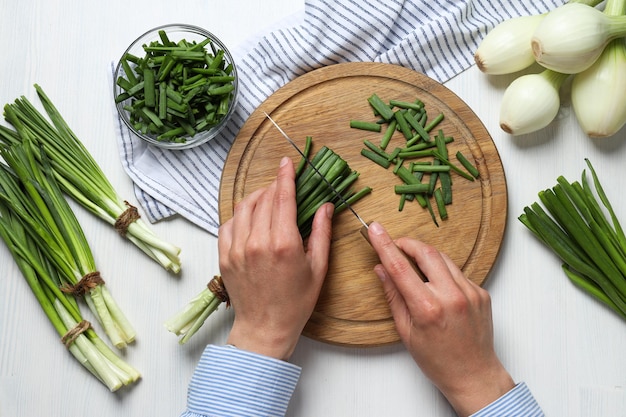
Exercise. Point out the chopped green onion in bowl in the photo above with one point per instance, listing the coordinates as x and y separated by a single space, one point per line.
176 86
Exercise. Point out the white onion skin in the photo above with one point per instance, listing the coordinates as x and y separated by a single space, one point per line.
507 47
598 93
571 37
529 103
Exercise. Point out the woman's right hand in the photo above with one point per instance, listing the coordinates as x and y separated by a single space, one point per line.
445 323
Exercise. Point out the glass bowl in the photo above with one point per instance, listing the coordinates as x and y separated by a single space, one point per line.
201 105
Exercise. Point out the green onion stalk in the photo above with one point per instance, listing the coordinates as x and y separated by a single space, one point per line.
582 229
188 321
311 193
79 175
61 308
29 191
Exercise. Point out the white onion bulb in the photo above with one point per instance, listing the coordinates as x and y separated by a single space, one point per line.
571 37
598 93
531 102
507 48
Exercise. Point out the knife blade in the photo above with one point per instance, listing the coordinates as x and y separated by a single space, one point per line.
365 226
330 186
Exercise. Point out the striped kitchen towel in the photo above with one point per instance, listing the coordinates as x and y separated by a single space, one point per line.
437 38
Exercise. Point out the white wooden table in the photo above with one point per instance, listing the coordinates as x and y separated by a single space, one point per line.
568 348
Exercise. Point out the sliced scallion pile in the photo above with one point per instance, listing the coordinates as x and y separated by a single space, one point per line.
176 89
591 244
422 162
50 248
79 175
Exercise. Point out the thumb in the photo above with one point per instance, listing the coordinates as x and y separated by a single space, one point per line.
397 304
318 246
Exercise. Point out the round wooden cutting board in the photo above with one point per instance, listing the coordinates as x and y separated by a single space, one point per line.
352 309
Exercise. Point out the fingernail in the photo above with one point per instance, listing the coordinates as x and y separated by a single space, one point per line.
376 228
380 273
284 161
330 211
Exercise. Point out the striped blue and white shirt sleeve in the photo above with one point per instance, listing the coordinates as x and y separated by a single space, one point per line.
519 402
229 382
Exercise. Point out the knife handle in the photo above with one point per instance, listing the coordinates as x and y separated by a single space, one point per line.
411 262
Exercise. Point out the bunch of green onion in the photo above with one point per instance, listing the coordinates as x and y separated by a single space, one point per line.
79 175
311 193
591 244
49 247
576 41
